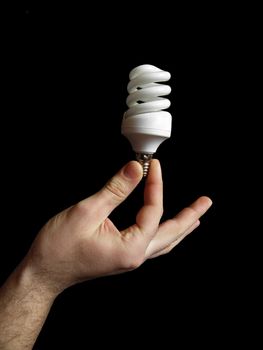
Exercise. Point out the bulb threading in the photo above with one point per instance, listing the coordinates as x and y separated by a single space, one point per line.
145 160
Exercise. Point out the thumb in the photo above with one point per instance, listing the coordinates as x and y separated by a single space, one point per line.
118 188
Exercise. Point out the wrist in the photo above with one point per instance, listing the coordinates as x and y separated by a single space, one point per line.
25 302
27 278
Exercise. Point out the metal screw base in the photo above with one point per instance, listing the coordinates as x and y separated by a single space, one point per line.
144 159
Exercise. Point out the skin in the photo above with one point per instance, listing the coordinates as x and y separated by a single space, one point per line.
82 243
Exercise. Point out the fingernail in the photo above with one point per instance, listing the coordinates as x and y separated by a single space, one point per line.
210 202
133 170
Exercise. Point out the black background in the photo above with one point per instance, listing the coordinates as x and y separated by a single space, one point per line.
64 82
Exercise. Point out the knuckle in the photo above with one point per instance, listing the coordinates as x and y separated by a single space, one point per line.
117 188
131 261
168 249
80 209
191 212
133 264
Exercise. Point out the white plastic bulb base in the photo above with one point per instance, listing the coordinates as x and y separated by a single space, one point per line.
146 134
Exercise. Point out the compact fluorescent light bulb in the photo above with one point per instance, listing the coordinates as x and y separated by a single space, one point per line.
145 124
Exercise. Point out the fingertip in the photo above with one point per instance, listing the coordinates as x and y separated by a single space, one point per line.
202 204
206 201
155 171
155 163
133 170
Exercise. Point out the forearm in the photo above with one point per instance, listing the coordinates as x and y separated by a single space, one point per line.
24 306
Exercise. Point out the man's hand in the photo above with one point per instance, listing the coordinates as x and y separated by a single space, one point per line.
82 243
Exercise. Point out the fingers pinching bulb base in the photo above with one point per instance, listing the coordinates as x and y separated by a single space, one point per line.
145 160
